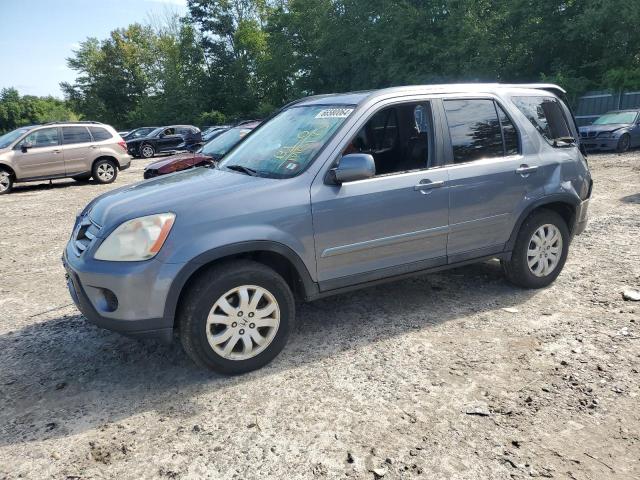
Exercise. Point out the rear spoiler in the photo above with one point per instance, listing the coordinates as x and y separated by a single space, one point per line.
561 93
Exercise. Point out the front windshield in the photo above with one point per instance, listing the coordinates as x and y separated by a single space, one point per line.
224 142
156 132
286 144
139 132
8 138
616 117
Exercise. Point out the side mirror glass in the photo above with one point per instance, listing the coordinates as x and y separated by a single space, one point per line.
352 167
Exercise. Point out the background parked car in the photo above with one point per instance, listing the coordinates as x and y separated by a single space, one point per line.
212 132
617 130
139 132
165 139
210 153
79 150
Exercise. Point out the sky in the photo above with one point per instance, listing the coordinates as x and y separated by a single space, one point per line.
37 36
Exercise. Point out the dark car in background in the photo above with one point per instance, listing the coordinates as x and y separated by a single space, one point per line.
139 132
212 132
210 153
617 130
165 139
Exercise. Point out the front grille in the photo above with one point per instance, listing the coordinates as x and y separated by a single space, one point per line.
86 231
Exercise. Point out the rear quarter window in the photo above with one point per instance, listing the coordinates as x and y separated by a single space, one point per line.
545 114
100 134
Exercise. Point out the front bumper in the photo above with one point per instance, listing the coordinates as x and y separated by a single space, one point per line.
126 297
599 144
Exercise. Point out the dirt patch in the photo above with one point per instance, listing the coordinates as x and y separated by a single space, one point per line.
451 375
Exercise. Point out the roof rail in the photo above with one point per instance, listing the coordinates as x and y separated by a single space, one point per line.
71 121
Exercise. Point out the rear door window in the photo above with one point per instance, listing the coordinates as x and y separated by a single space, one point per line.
546 115
509 132
99 134
75 135
474 129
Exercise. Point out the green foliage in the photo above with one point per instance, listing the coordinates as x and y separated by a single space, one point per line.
17 111
230 59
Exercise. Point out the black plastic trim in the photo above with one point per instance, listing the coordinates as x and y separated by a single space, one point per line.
309 287
571 201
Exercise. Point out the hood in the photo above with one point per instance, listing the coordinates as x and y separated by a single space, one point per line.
173 158
603 128
179 193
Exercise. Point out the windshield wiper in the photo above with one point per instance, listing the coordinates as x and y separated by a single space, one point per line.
243 169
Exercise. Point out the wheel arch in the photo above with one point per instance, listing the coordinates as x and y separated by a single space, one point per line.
105 157
8 168
272 254
564 205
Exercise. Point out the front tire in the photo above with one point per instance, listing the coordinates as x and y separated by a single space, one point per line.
147 151
6 181
540 251
624 143
236 317
104 171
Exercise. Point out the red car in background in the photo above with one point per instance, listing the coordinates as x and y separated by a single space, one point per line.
209 154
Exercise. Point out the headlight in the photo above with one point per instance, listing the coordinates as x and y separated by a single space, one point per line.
605 134
137 239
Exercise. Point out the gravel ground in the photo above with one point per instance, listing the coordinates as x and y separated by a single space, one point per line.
446 376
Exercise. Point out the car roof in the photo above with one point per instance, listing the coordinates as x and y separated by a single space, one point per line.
355 98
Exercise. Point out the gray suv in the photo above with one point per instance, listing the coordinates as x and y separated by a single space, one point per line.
79 150
334 192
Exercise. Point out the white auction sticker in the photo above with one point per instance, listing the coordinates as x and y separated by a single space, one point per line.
334 113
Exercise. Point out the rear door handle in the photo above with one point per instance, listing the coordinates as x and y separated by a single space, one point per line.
56 151
426 185
525 170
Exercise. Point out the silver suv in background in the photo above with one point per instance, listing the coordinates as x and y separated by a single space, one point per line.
334 192
79 150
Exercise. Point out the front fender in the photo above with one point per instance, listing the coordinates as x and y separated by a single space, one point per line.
190 267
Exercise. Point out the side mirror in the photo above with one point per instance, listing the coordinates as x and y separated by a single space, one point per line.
25 146
355 166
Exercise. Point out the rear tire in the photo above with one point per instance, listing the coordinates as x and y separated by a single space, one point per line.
239 336
540 250
104 171
6 181
624 143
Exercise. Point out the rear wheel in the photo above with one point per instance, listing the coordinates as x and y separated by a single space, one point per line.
104 171
624 143
147 151
6 181
236 317
540 250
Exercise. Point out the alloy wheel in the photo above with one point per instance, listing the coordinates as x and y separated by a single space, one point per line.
243 322
106 171
147 151
545 250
